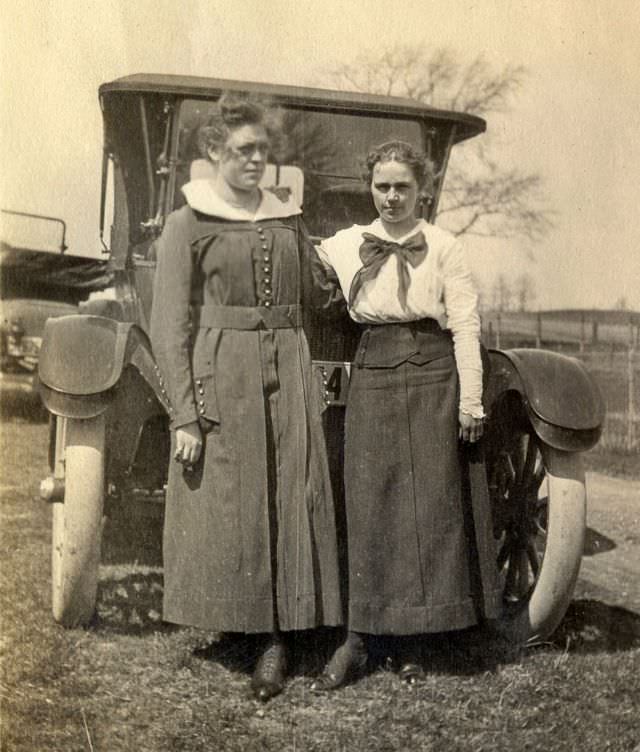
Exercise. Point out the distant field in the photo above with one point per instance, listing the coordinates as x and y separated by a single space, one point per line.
599 329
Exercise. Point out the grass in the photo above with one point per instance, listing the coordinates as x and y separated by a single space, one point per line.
131 682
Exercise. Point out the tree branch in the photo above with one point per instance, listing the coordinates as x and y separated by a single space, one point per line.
480 198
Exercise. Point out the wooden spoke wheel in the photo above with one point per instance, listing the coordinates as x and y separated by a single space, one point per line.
539 516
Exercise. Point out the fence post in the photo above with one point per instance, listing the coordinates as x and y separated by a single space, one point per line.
631 408
498 332
539 330
582 331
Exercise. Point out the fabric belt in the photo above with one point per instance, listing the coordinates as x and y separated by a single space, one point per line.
388 345
250 317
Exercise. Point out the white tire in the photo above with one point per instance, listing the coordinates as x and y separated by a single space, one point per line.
539 506
77 521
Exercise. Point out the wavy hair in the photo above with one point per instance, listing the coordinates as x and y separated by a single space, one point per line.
233 110
400 151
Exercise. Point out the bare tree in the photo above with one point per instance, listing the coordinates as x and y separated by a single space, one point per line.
480 196
501 294
525 292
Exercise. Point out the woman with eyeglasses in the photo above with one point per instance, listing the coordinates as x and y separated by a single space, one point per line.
249 540
420 545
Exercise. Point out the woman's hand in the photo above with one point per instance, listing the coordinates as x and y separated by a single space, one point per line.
471 428
188 444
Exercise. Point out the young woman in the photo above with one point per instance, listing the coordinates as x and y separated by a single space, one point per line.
249 540
419 545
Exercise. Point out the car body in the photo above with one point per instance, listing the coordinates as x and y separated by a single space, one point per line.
99 377
38 281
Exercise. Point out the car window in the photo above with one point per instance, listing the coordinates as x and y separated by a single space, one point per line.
327 147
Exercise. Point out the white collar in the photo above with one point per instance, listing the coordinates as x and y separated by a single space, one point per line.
202 197
377 228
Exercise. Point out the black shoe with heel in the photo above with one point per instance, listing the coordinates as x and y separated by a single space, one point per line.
346 665
270 672
410 671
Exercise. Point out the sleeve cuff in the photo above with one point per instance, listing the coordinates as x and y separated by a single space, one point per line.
476 412
183 418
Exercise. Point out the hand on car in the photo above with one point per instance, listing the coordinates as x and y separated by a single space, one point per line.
188 444
471 428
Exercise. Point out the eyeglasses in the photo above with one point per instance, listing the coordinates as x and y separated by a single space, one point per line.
246 151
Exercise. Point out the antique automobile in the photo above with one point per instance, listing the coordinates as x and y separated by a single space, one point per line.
38 281
98 375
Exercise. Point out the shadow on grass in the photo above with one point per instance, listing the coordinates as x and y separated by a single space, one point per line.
593 627
596 543
464 653
132 534
131 603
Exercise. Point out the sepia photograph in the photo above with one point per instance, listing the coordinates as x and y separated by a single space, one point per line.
319 376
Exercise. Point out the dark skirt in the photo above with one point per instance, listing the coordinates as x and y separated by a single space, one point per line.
421 551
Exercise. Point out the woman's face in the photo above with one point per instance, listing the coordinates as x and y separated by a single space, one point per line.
395 192
242 160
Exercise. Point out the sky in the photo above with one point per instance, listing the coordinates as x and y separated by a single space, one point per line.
575 121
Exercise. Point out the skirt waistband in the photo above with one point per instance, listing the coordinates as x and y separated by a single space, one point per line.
388 345
250 317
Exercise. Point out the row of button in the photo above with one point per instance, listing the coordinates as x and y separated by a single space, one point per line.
202 408
265 298
163 390
265 294
325 384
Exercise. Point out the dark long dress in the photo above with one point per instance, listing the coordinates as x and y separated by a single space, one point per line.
250 539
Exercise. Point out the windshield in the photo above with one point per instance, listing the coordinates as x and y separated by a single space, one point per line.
321 160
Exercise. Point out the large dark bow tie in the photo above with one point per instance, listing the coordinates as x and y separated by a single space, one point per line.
375 251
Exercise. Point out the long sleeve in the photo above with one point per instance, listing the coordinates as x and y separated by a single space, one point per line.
321 289
170 320
461 308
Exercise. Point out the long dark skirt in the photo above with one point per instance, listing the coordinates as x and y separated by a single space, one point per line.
421 555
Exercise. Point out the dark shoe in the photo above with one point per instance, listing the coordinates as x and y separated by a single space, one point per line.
411 673
408 657
346 665
268 677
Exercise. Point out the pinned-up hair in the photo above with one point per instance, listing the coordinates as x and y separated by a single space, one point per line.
400 151
233 110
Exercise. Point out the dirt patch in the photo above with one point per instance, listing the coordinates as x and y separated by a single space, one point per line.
610 569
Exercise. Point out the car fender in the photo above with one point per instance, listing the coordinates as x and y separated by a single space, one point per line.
82 359
562 401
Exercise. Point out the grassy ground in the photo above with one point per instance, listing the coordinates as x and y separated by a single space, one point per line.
131 682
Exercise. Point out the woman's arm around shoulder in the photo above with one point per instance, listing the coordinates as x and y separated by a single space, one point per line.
321 288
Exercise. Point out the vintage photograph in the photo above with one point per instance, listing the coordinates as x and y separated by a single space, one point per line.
319 376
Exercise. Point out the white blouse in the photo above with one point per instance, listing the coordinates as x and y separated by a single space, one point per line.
440 287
